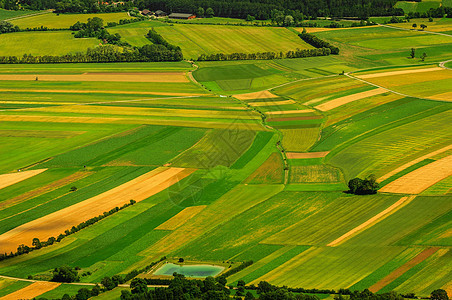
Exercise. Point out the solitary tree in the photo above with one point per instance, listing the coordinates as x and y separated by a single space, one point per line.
414 25
423 26
423 56
413 52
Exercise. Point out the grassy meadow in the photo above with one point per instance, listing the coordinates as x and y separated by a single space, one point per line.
269 145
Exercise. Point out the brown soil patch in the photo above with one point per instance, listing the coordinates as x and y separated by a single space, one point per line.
33 290
115 77
182 217
350 98
100 92
271 103
294 118
413 162
12 178
372 221
296 155
403 269
401 72
286 112
419 180
256 95
55 223
271 171
45 189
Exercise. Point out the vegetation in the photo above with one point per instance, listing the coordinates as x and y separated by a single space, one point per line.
364 186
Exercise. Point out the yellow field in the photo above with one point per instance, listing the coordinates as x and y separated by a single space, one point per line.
12 178
419 180
32 291
350 98
181 218
256 95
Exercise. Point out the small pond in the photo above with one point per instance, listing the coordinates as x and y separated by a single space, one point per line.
198 271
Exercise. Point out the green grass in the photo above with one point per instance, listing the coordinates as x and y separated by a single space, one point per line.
43 43
52 20
135 33
208 39
9 14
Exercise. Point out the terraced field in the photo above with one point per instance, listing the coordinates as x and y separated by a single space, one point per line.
236 161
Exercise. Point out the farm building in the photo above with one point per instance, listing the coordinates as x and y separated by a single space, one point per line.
182 16
160 13
146 12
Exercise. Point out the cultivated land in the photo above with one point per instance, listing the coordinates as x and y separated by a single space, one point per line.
247 162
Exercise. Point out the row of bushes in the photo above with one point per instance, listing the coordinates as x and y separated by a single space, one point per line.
265 55
237 269
317 42
37 244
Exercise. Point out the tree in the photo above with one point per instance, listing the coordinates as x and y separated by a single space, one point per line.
249 296
414 25
439 294
413 52
95 24
209 12
279 18
423 56
138 286
366 186
36 243
181 260
65 274
288 21
108 283
354 185
241 283
83 294
200 12
423 26
430 19
250 18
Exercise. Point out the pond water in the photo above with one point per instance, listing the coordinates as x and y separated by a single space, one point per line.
198 271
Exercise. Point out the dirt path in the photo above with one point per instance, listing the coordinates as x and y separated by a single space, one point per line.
55 223
12 178
443 64
350 98
33 290
413 162
403 269
297 155
420 179
372 221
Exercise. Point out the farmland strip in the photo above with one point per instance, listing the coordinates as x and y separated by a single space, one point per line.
413 162
296 155
55 223
372 221
32 291
350 98
420 179
393 73
403 269
12 178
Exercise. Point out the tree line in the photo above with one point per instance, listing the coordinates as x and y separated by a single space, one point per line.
317 42
37 244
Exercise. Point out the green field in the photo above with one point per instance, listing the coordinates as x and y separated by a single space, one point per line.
204 39
11 14
268 148
44 43
52 20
